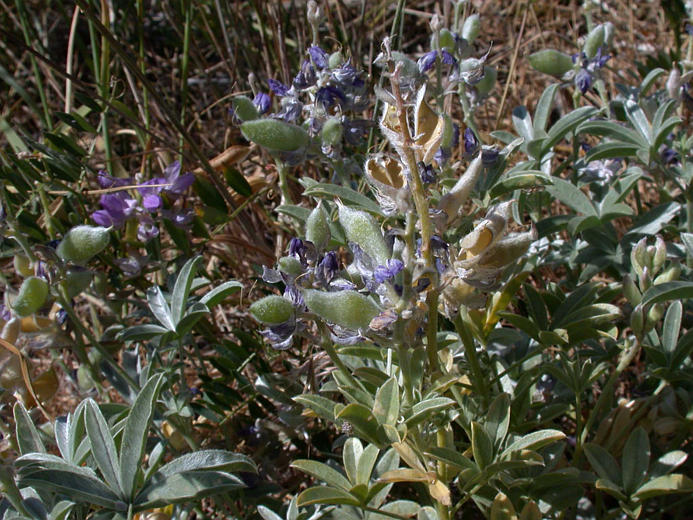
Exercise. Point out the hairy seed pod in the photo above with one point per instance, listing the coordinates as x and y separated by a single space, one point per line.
272 310
348 309
470 29
674 83
362 229
608 34
290 265
331 133
551 61
318 228
507 250
660 255
274 134
82 243
645 280
638 256
452 201
653 316
335 60
22 266
446 40
594 40
244 108
32 295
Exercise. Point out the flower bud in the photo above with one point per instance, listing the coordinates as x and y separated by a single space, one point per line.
317 228
22 266
638 256
470 29
594 40
331 133
551 61
272 310
362 229
348 309
631 291
645 280
244 108
674 83
653 316
670 274
336 60
274 134
32 295
637 321
452 201
660 255
608 34
82 243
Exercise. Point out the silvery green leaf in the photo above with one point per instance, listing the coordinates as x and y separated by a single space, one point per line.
543 109
185 487
565 125
102 445
635 460
221 460
482 446
425 409
351 453
664 485
366 464
159 307
326 495
28 437
323 472
387 402
181 290
268 514
135 434
196 311
522 120
603 463
219 293
497 419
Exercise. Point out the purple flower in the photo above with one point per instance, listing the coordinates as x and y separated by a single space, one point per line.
489 155
347 75
387 271
5 313
278 87
306 77
108 181
178 183
296 247
447 58
328 267
319 57
442 155
668 155
262 102
116 210
330 95
147 230
583 80
355 130
291 109
426 172
471 143
180 218
427 61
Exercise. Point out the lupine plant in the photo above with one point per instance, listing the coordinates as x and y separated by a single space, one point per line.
463 320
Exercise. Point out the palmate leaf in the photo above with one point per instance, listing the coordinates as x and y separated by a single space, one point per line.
219 460
159 307
28 438
102 445
181 289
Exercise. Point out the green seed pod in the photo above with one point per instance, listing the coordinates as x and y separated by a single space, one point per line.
631 291
653 316
670 274
645 280
76 280
551 61
318 228
409 67
594 40
336 60
637 321
244 108
446 40
32 295
331 133
290 265
82 243
470 29
347 309
362 229
486 84
272 310
452 201
274 134
608 34
11 330
22 266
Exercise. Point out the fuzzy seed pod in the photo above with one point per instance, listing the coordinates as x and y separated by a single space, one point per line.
331 133
551 61
82 243
470 29
486 84
290 265
272 310
637 320
318 228
594 40
670 274
362 229
76 280
452 201
274 134
348 309
446 40
631 291
244 108
22 266
32 295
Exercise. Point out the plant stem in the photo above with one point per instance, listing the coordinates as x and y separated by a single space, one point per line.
283 171
470 354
